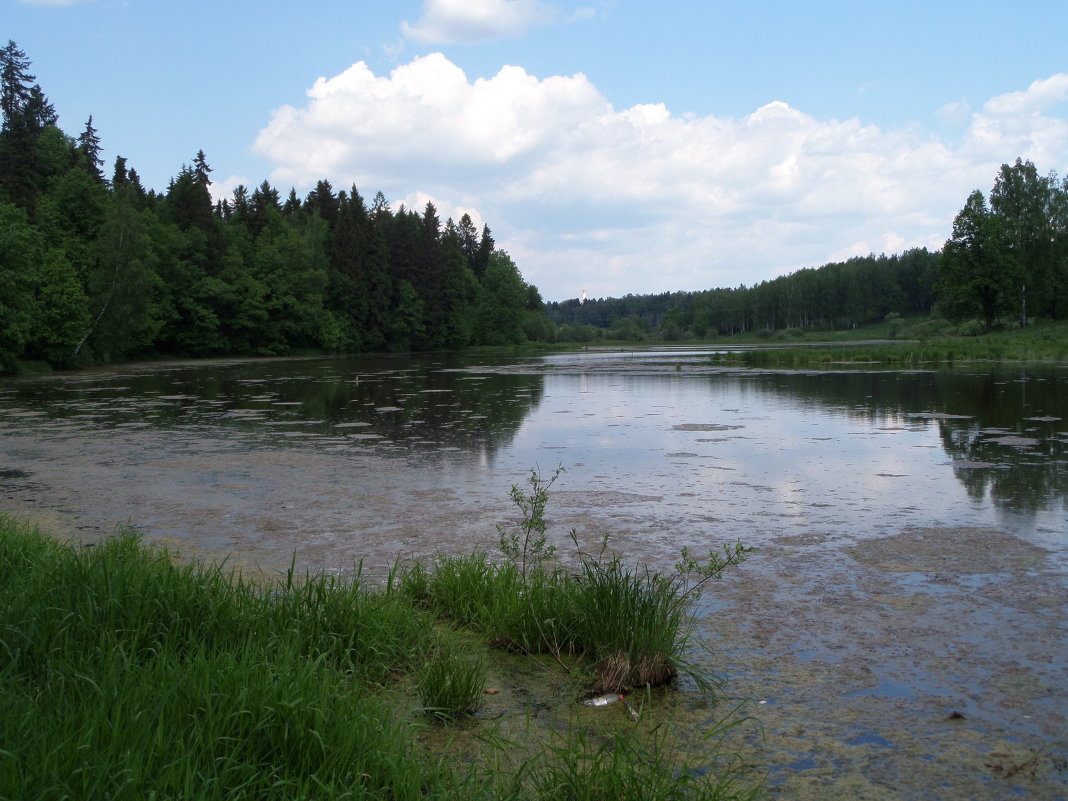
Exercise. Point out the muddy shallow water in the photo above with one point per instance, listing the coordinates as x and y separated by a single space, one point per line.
898 633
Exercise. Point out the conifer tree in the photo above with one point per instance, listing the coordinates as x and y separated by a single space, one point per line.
89 148
16 82
485 247
26 112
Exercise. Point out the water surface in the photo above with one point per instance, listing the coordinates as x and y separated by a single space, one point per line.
911 527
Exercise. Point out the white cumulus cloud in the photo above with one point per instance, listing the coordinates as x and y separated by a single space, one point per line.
474 21
584 195
1039 96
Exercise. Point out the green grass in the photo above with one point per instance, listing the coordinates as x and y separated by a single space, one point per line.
919 342
581 768
451 680
630 625
127 675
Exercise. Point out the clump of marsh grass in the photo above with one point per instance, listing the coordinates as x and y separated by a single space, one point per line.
635 623
451 680
626 766
632 625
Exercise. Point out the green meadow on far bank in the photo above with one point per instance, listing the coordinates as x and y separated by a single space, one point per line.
130 674
896 342
910 344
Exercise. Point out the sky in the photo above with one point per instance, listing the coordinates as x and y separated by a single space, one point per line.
612 146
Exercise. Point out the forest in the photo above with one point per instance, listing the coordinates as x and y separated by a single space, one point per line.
95 268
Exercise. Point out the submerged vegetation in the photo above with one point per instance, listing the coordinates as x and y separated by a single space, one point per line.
130 675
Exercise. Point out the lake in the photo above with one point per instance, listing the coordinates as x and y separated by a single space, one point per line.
899 630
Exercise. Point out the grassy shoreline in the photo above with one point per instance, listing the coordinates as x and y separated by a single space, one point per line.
130 675
908 342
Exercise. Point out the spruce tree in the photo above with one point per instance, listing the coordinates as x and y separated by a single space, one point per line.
26 112
89 148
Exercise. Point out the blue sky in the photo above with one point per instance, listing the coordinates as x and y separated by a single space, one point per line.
617 147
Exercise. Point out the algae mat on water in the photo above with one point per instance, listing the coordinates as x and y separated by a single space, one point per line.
928 664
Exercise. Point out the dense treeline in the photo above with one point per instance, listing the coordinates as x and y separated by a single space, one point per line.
838 295
1005 263
94 267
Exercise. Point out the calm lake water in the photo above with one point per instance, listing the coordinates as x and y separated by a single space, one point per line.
869 495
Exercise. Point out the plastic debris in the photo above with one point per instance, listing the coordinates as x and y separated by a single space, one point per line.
603 700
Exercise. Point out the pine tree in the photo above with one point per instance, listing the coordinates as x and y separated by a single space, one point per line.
89 148
119 176
26 112
482 256
16 83
263 205
201 170
323 201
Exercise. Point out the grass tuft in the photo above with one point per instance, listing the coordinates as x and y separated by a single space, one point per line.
633 625
451 680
